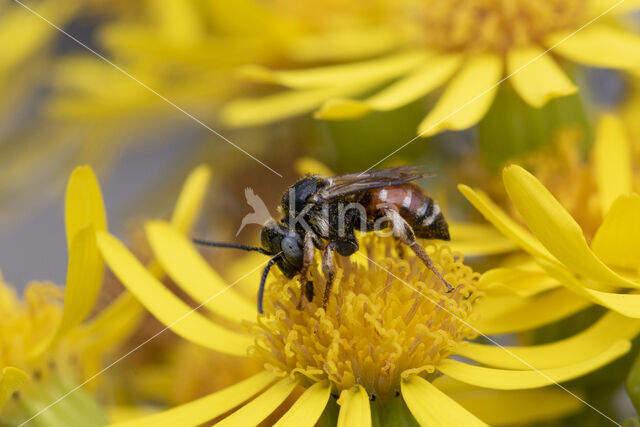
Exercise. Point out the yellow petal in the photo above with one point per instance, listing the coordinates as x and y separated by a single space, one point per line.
626 304
84 281
116 321
191 272
502 408
382 69
569 351
206 408
555 228
612 161
354 408
478 239
11 380
536 76
341 109
436 71
500 379
262 406
507 226
309 165
617 241
190 200
516 281
308 408
528 313
467 98
177 22
431 407
413 86
344 44
164 305
268 109
599 45
83 203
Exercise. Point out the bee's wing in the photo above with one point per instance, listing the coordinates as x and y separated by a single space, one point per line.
343 185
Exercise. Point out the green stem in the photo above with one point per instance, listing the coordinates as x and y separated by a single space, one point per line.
393 412
31 405
83 407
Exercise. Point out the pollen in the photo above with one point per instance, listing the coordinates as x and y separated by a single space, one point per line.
387 317
495 25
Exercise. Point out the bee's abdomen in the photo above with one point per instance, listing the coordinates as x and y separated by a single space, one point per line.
407 199
419 210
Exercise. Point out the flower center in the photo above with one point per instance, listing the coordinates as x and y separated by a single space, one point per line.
386 317
24 325
495 25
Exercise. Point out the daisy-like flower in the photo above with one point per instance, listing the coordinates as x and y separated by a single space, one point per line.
27 383
185 51
46 350
465 47
603 270
381 349
51 344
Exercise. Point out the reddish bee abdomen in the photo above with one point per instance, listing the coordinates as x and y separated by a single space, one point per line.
418 209
407 198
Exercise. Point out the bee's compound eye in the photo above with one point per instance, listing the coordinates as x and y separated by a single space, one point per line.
292 250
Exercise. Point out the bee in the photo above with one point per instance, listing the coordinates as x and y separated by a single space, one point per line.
324 213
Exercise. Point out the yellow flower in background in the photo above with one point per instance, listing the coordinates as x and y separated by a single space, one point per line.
461 46
182 51
48 351
387 331
603 271
28 384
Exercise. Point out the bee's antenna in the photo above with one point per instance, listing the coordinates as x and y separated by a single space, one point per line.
265 273
230 245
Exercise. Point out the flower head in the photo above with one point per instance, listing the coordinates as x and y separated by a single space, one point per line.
48 343
465 47
376 329
600 266
51 341
388 335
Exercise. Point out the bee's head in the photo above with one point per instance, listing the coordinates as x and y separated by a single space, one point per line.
296 196
275 239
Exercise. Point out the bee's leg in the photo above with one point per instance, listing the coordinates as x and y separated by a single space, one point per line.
403 231
329 271
307 259
400 248
345 247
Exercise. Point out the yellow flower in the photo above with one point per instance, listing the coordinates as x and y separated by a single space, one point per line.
26 383
388 332
603 271
45 351
183 51
467 47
